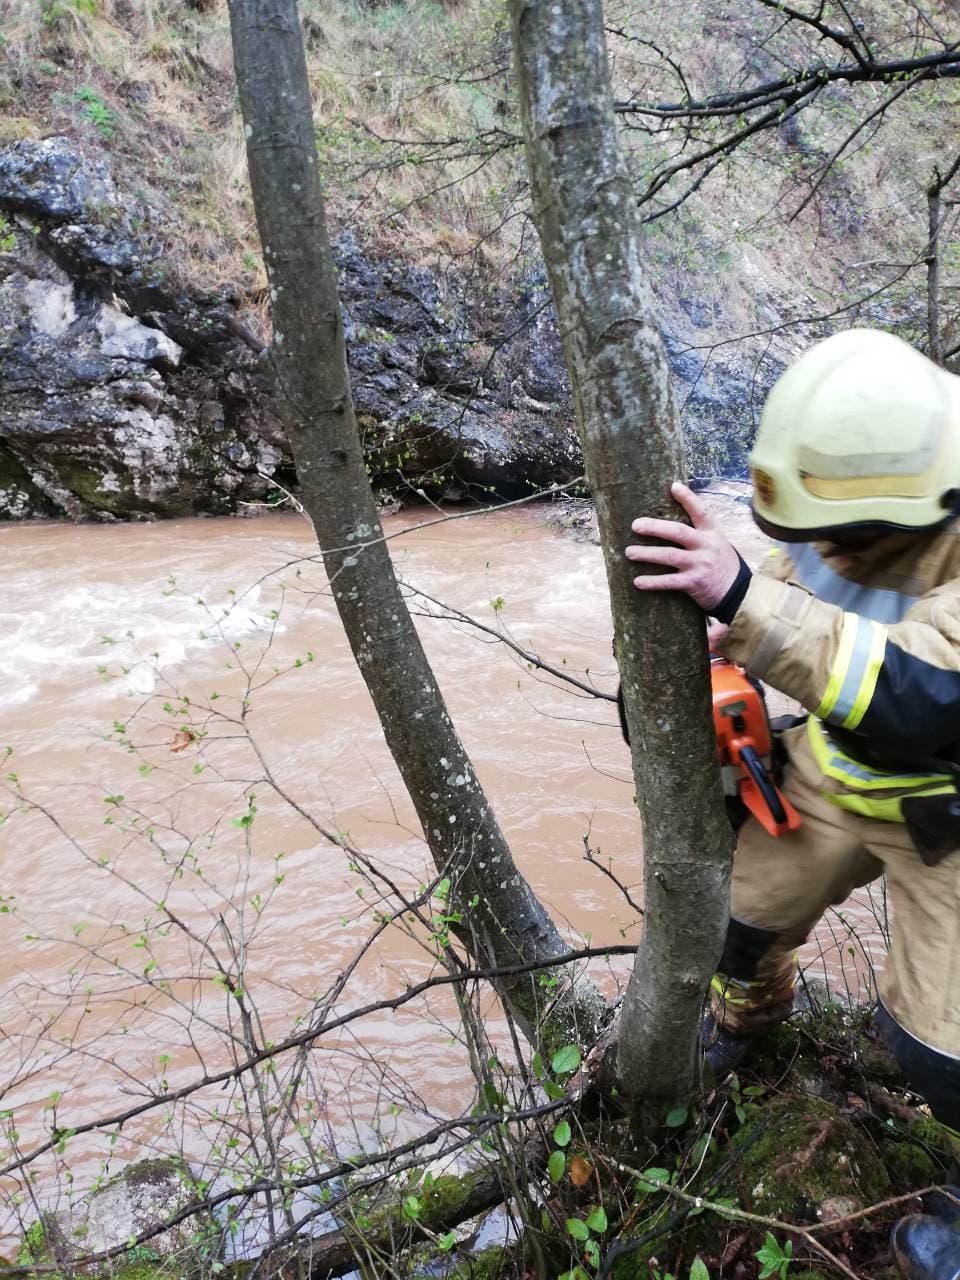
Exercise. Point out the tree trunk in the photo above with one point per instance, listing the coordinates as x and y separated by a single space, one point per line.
584 209
932 258
389 1231
507 922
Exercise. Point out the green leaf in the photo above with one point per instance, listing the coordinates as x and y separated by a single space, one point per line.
566 1060
556 1166
447 1242
411 1207
578 1229
492 1095
554 1090
676 1117
597 1219
656 1176
562 1134
698 1270
772 1258
592 1250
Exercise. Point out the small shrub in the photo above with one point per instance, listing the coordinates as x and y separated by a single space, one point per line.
53 13
97 111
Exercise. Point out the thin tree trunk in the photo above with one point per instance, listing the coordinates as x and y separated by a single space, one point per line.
932 257
503 918
584 208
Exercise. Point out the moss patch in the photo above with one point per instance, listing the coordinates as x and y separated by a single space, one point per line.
806 1152
86 484
910 1166
489 1264
35 1247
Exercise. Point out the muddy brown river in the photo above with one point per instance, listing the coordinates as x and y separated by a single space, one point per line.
164 910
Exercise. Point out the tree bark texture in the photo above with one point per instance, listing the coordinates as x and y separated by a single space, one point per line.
584 208
932 257
508 923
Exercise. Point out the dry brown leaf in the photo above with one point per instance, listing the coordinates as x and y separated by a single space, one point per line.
581 1171
182 739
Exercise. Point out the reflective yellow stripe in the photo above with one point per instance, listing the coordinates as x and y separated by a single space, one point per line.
836 764
841 662
856 668
878 647
883 809
722 987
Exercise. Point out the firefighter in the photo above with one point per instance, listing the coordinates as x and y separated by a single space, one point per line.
856 615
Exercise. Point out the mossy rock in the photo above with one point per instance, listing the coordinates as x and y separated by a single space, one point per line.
145 1271
877 1064
19 496
137 1199
800 1152
113 495
39 1244
488 1264
798 1048
935 1139
910 1166
782 1046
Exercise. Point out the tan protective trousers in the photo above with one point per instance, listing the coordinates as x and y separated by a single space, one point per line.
785 885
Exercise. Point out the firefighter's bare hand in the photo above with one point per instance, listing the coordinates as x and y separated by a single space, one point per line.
704 562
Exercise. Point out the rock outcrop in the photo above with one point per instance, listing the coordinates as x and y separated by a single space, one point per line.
126 393
122 395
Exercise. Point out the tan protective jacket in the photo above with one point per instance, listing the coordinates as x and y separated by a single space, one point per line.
869 643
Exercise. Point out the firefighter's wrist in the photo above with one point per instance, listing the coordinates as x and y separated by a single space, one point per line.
726 610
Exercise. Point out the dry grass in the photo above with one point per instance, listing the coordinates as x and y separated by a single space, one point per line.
151 82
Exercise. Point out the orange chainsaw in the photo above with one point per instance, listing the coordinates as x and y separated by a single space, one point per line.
746 747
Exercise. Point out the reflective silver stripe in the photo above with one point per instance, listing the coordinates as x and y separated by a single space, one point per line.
880 604
856 670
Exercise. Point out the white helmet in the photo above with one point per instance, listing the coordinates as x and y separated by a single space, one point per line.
861 432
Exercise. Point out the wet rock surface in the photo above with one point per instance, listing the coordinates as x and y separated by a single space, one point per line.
135 1202
121 397
124 393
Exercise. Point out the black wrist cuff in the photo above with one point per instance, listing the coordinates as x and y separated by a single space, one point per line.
726 610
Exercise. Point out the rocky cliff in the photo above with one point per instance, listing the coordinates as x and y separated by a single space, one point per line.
125 392
134 306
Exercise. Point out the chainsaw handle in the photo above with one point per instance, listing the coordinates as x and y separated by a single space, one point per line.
765 786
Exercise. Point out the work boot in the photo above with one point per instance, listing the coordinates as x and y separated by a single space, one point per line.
926 1248
723 1051
943 1203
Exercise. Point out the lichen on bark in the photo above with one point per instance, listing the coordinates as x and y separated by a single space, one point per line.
583 205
